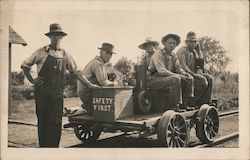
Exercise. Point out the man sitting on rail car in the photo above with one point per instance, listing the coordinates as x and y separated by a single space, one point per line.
149 46
191 60
96 73
166 73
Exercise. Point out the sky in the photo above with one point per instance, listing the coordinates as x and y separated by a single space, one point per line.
124 24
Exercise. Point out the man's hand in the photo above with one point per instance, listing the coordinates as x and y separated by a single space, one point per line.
115 83
187 75
38 81
94 86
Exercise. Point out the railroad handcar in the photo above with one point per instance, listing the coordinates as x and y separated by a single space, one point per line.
137 108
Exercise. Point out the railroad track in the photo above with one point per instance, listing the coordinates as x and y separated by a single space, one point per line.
218 141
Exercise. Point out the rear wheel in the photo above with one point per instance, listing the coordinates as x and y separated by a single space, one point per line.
173 130
208 126
144 101
87 132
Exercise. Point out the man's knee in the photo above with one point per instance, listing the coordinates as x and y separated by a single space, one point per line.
209 78
176 80
201 81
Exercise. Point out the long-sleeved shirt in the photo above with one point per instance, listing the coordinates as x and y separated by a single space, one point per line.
187 59
40 55
165 64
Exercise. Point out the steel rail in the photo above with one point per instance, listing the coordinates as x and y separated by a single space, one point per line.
219 140
32 124
228 113
11 121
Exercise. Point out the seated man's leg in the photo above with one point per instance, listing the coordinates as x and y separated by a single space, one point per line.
187 87
206 96
172 83
187 84
200 87
86 98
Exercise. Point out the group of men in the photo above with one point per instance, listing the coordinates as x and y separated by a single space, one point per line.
178 73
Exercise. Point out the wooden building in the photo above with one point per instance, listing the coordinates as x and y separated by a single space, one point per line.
14 38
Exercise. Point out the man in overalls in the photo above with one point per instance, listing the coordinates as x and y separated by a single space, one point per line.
192 60
52 62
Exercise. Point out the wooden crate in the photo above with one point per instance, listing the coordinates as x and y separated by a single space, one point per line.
112 103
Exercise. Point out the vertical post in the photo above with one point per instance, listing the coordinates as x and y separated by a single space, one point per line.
9 92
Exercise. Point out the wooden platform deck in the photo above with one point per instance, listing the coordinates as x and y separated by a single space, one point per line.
140 121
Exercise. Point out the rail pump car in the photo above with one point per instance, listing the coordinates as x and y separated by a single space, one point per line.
138 108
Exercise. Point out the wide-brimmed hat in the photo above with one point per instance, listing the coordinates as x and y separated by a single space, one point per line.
174 36
148 41
107 47
55 29
191 36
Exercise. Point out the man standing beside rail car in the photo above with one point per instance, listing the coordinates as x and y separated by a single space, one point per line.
96 73
52 62
149 46
166 73
192 60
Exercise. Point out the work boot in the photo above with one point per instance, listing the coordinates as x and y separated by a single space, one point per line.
178 109
186 107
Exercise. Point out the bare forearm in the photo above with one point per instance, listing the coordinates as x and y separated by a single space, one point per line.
26 72
108 83
83 79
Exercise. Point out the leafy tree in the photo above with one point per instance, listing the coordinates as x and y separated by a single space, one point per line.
124 65
215 55
17 78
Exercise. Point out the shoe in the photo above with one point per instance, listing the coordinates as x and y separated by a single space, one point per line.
178 109
190 108
183 106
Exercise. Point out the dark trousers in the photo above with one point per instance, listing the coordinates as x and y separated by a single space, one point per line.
49 111
179 87
203 88
86 98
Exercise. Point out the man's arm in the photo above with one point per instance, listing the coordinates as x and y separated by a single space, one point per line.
182 60
84 80
101 76
36 81
72 68
26 65
158 61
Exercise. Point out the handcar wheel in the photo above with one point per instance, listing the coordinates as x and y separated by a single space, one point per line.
173 130
87 132
208 126
144 101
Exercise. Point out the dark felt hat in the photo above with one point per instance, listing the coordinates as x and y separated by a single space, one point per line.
174 36
55 29
191 36
107 47
148 41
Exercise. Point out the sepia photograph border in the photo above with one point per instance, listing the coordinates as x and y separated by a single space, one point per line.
241 153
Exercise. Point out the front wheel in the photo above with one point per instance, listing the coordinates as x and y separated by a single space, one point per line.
208 126
173 130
